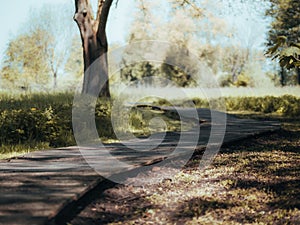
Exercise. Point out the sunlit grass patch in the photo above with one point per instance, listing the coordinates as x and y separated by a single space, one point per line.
11 151
144 122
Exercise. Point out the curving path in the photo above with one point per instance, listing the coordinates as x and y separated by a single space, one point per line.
37 188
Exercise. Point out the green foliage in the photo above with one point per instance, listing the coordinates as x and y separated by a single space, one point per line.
179 68
144 121
103 119
146 73
288 54
25 61
19 126
286 105
283 37
39 50
178 76
34 119
45 119
9 151
286 20
138 72
242 81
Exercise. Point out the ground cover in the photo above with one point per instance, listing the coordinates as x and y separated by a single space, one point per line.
255 181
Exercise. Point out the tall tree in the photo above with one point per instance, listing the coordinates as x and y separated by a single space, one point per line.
95 46
284 34
187 24
55 18
286 20
25 63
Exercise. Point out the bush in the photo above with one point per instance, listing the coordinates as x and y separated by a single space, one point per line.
286 105
45 119
243 80
48 118
36 125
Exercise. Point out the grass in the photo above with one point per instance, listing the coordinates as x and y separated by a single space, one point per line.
21 114
255 181
34 100
38 121
252 182
11 151
144 122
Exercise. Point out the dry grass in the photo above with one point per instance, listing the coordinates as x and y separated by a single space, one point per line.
252 182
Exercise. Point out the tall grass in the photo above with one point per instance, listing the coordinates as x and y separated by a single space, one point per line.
35 100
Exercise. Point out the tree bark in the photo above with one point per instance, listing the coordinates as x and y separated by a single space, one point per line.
282 77
95 46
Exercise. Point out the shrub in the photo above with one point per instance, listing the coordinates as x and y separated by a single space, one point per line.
48 118
286 105
45 118
35 125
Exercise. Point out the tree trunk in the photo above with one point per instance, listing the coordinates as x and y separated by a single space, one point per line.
94 43
55 80
282 77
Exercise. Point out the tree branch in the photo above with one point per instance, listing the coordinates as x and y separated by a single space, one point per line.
83 13
99 11
117 3
103 15
194 6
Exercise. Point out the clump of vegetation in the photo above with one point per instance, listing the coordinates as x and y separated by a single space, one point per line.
46 120
286 105
43 120
242 80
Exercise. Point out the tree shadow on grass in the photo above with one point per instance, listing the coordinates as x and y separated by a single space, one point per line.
286 192
282 140
198 206
264 179
117 205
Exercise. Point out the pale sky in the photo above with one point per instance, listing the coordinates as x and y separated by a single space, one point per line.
13 14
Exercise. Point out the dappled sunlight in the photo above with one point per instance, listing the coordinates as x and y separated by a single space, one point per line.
252 181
